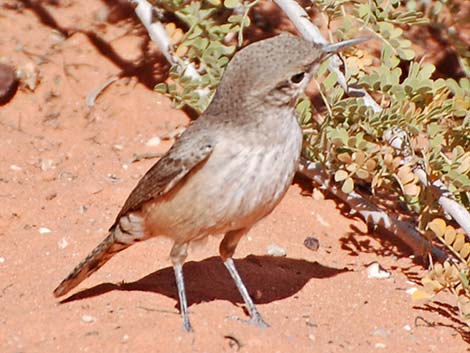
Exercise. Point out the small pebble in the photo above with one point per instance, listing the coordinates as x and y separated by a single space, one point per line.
2 259
92 333
49 175
374 270
380 345
322 220
47 164
380 332
407 327
15 168
44 230
113 178
88 318
63 243
28 75
57 36
312 243
51 196
411 290
276 250
154 141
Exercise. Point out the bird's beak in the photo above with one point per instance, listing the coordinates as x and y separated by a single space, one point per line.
330 49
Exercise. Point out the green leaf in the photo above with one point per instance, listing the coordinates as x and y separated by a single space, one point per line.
464 280
363 11
231 4
348 186
433 129
330 81
459 180
235 19
339 136
161 88
341 175
427 70
406 54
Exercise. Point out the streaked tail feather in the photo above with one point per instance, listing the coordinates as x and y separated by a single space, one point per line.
97 258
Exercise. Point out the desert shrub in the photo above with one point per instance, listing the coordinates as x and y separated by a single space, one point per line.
414 149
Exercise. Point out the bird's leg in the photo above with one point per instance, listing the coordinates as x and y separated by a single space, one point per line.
226 249
178 255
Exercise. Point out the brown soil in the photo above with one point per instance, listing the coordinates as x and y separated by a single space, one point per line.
65 172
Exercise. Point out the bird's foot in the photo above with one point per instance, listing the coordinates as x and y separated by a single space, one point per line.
187 326
256 320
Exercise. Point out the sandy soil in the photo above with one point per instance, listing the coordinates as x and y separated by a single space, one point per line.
65 172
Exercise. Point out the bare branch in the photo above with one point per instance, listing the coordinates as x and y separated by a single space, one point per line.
399 140
93 95
309 31
145 11
372 214
155 29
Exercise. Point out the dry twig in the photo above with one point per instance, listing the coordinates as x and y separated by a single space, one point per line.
372 214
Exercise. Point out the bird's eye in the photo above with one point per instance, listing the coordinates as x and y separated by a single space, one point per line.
298 77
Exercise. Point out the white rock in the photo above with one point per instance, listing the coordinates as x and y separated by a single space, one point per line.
276 250
15 168
374 270
2 259
44 230
88 318
154 141
47 164
411 290
321 220
63 243
407 327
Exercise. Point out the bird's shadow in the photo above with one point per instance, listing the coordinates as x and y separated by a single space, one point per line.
267 278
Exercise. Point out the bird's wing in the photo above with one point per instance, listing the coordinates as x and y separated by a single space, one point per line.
190 150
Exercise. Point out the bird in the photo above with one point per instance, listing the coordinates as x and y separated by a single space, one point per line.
228 170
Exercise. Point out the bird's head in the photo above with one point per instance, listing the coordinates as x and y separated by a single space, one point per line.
273 71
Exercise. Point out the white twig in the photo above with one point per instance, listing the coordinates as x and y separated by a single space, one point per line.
446 200
155 29
372 214
456 211
399 140
309 31
144 10
91 98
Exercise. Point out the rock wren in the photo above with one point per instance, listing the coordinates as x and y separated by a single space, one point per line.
228 170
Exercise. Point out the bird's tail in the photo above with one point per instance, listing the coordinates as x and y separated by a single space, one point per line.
97 258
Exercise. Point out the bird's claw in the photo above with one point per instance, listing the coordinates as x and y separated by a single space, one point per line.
256 320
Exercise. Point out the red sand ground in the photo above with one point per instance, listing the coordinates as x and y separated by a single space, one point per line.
65 167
